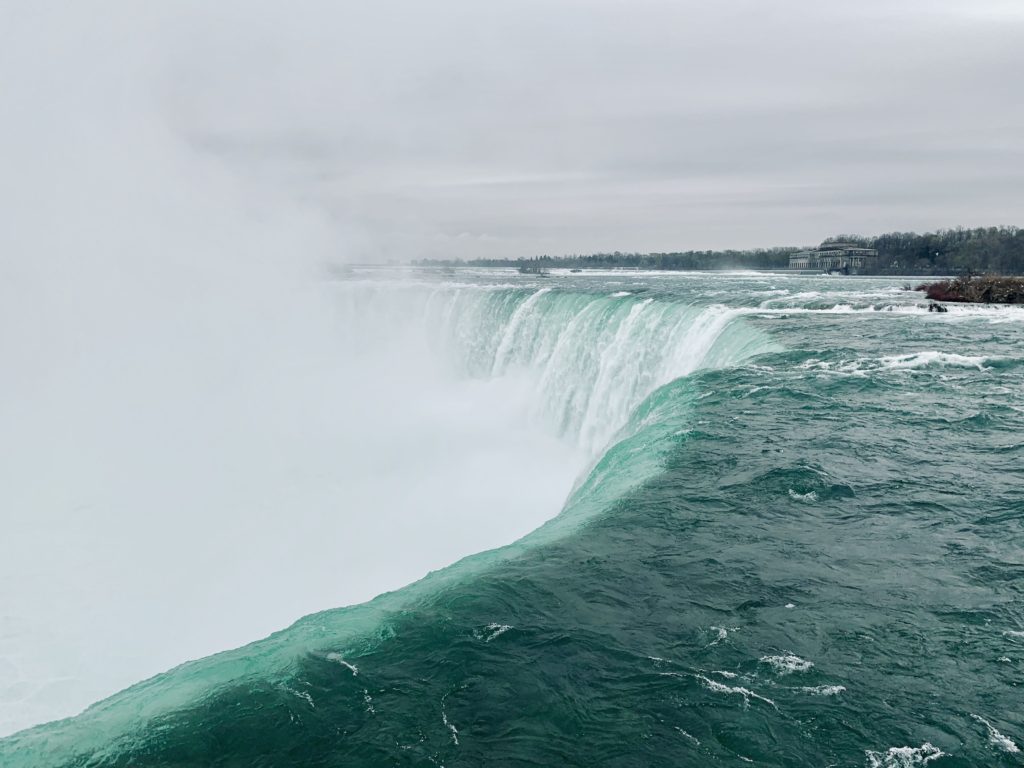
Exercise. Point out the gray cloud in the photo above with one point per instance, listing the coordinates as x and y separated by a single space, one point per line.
468 129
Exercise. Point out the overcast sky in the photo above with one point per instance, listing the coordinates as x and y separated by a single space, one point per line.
461 128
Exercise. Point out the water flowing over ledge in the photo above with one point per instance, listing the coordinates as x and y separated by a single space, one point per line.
765 541
602 370
590 358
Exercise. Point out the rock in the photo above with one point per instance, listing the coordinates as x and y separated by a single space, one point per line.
987 289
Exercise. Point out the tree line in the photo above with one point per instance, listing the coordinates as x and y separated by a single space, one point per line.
759 258
996 250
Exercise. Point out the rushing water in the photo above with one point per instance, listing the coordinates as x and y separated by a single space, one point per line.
798 542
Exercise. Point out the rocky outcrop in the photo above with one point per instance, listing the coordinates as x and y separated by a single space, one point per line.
987 289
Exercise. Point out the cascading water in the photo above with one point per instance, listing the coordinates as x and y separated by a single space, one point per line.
585 361
590 359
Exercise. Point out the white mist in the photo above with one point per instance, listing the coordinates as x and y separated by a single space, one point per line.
193 453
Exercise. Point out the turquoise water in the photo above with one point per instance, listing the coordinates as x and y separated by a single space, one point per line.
799 543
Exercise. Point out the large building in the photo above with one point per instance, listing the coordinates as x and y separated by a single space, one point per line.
844 258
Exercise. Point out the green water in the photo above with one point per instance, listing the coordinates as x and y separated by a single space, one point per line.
801 544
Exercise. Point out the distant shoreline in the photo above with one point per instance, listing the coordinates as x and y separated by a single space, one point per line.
992 250
989 289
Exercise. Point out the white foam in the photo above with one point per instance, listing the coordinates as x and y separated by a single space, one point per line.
494 631
797 304
786 664
1005 743
904 757
809 496
721 634
302 695
824 690
933 358
508 337
906 362
691 737
746 693
451 728
337 658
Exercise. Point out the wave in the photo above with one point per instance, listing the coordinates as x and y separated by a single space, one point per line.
928 359
607 373
1003 742
787 663
904 757
933 359
886 300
